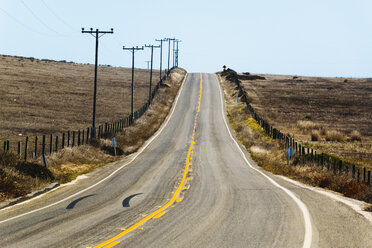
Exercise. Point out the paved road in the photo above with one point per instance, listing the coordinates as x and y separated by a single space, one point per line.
155 201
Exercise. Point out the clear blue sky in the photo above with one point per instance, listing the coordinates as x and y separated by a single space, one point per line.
302 37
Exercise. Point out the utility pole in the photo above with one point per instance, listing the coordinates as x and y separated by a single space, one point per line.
152 58
177 41
174 51
96 34
169 40
161 54
133 50
148 64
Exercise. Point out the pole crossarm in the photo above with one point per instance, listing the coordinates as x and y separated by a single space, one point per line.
133 49
152 46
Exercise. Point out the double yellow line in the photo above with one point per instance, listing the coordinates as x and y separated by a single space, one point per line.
176 196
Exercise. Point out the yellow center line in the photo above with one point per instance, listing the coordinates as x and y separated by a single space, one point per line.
175 198
112 244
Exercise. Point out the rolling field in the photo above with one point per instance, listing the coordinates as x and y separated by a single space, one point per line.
333 115
42 97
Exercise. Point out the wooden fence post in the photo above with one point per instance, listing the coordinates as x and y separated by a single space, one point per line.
79 137
369 178
358 175
334 166
50 144
63 141
340 167
364 174
56 143
83 138
26 146
19 149
35 146
68 138
353 171
43 145
73 138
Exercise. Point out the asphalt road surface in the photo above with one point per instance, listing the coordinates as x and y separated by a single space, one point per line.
191 186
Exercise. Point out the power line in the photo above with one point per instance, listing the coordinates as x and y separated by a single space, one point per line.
57 16
23 25
39 19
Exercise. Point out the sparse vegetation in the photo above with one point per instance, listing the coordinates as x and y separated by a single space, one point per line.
302 106
46 96
315 135
334 135
355 136
306 125
18 178
270 154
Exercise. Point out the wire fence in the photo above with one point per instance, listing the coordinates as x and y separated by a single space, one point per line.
303 153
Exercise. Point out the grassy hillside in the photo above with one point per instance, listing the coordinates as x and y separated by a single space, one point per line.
333 115
42 97
19 177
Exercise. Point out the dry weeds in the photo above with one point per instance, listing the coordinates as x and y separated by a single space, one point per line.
271 155
339 109
315 135
306 125
42 97
355 136
334 135
18 178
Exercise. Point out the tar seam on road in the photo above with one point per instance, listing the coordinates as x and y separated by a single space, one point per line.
114 172
305 212
176 196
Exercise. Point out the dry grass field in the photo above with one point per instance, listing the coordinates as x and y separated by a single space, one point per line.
333 115
270 153
19 177
46 97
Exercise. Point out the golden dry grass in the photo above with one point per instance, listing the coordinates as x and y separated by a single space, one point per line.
270 154
42 97
18 178
332 115
335 135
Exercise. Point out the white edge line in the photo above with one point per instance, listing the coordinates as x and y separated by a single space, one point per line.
114 172
354 204
300 204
